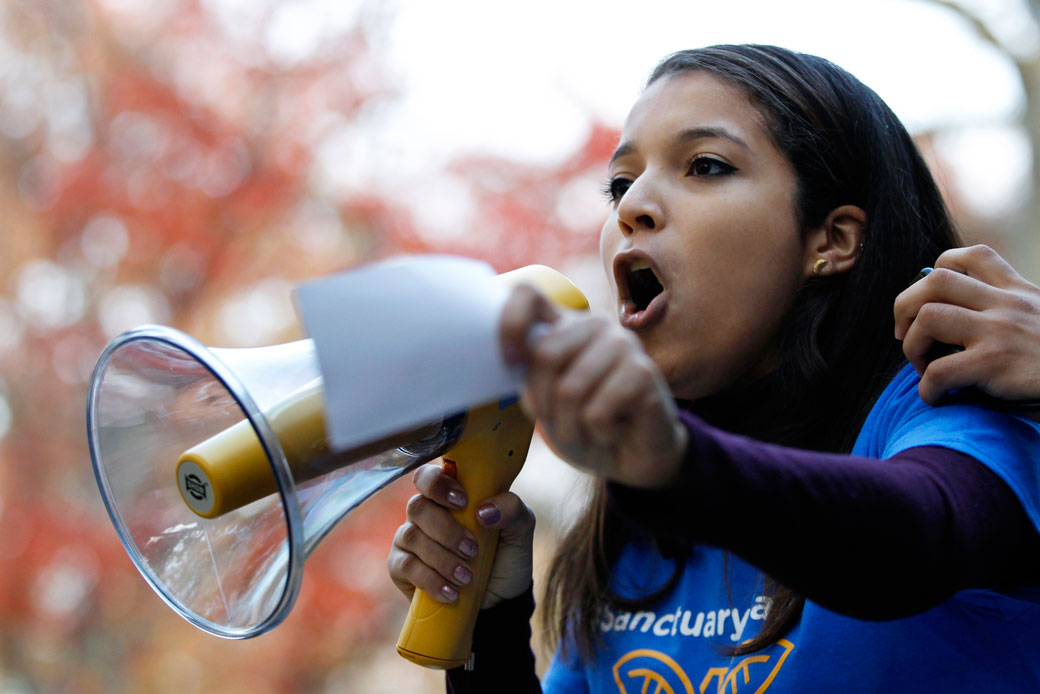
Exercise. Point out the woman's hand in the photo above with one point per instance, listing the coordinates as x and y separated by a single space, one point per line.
976 300
599 400
433 552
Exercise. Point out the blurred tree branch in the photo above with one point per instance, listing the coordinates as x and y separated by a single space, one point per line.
1024 230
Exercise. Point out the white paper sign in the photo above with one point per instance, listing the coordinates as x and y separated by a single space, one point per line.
405 341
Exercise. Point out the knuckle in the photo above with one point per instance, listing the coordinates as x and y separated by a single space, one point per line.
416 505
597 419
980 251
425 475
521 294
526 291
989 353
928 389
901 307
399 562
418 572
995 328
939 371
913 347
1024 303
942 277
931 313
407 535
948 257
620 343
569 391
409 566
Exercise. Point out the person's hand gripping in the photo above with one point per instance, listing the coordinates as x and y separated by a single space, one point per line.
974 300
433 552
598 399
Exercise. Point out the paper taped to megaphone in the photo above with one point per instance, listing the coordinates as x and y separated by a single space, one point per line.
404 341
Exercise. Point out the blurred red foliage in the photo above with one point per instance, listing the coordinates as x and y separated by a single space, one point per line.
154 169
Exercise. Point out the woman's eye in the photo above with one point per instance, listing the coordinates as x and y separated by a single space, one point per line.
615 188
709 166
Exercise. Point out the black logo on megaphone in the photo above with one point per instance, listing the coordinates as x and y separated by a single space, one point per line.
195 486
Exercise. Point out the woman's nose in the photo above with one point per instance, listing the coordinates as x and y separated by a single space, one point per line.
638 209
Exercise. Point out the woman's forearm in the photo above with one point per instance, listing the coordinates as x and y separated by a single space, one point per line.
867 538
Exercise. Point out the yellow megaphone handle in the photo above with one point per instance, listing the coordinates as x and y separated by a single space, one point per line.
487 459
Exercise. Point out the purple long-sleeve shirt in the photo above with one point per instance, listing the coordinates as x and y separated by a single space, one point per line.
863 538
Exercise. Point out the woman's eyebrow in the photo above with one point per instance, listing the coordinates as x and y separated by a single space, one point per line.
691 134
623 149
686 136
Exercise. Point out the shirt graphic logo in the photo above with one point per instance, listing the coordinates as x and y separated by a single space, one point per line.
643 668
646 671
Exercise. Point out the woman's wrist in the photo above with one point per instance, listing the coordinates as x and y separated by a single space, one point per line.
502 659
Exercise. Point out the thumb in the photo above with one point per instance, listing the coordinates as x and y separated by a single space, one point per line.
507 513
512 571
524 309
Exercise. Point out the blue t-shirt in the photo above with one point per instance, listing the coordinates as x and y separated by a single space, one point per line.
977 641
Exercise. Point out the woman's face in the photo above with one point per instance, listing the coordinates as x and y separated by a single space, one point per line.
702 246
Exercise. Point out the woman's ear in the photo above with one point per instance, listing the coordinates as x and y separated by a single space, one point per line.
835 245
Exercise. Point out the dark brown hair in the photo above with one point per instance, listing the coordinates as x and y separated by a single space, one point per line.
836 351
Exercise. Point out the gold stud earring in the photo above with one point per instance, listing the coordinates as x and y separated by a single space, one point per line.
817 267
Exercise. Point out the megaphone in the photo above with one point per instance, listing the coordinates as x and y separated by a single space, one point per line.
216 470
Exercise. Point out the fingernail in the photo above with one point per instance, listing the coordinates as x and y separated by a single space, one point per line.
463 575
468 547
457 498
922 274
537 332
450 593
489 514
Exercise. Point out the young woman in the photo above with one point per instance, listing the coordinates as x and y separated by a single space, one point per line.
777 509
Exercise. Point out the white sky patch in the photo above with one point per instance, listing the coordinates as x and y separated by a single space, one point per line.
344 160
1011 21
519 82
991 166
315 226
130 306
523 81
105 240
257 315
297 30
68 119
48 295
442 206
62 588
581 205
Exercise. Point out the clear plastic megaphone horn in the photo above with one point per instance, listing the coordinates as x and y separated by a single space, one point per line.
217 472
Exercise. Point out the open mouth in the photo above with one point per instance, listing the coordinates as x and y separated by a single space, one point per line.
643 285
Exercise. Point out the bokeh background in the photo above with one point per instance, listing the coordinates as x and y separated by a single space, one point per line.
186 162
